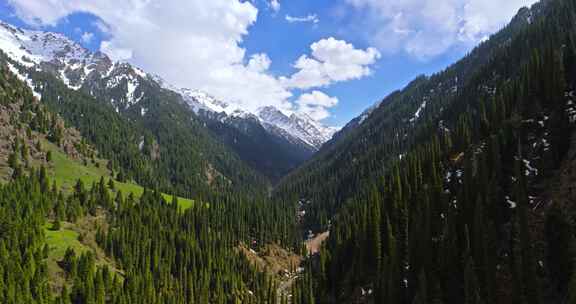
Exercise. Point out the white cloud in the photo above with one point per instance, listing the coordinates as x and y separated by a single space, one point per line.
259 62
316 104
190 43
332 61
197 44
313 18
427 28
274 5
87 37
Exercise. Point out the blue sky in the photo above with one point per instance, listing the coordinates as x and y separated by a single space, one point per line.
353 52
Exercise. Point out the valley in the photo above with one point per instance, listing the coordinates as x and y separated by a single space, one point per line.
119 187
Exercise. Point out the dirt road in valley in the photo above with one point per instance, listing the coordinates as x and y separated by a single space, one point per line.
313 246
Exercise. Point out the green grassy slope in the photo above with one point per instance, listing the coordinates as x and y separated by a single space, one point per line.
81 237
58 242
66 171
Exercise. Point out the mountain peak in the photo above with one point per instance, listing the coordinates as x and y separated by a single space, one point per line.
200 100
76 65
300 125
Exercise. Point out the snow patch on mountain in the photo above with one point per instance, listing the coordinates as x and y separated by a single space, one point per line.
67 81
11 39
25 79
419 111
140 73
132 86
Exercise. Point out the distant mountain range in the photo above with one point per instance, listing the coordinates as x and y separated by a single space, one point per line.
270 140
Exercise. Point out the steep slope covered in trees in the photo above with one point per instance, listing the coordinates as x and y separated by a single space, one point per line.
362 151
273 155
163 254
281 142
444 194
167 148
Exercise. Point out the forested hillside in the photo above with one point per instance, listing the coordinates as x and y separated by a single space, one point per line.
94 243
272 155
163 255
362 152
167 148
449 191
220 128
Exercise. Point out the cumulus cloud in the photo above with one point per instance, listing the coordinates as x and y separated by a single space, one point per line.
87 37
313 18
197 44
190 43
331 61
427 28
316 104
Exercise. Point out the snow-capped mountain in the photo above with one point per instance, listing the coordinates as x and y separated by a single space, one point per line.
297 124
34 47
94 72
199 100
295 127
76 66
281 139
